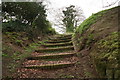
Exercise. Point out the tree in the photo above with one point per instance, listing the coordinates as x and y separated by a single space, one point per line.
72 16
109 3
32 14
68 18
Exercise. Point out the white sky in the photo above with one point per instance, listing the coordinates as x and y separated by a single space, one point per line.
88 6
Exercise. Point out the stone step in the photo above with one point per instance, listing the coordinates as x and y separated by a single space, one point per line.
57 41
57 44
50 56
60 38
55 49
35 64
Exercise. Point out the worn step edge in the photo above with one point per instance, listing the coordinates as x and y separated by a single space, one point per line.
55 49
62 38
58 41
49 66
57 44
51 56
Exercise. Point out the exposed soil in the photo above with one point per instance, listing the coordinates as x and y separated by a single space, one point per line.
100 30
12 52
83 67
45 54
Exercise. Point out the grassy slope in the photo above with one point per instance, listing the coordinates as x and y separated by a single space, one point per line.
99 34
15 48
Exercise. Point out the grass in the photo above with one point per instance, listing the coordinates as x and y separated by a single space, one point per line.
78 39
88 22
19 57
16 57
107 47
87 74
107 53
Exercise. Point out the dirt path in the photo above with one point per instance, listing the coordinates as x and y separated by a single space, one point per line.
57 62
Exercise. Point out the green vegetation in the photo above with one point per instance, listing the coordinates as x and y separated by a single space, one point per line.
22 24
58 51
25 26
88 22
101 41
17 38
80 41
90 39
16 47
87 74
29 17
13 57
91 20
69 20
56 59
55 56
66 76
15 26
107 57
55 49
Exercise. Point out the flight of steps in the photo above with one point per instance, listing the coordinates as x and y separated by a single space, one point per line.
55 50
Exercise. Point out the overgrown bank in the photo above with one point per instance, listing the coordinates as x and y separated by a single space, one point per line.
15 48
24 25
99 36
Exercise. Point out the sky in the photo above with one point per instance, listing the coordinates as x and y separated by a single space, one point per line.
88 7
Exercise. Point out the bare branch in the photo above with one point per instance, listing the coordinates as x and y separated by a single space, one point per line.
113 3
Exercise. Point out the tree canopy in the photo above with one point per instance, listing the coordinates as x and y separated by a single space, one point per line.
23 10
31 14
68 18
72 16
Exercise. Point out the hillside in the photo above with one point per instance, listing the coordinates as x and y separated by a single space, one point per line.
31 48
97 37
22 30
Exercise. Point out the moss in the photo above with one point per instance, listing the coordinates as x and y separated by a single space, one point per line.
57 56
66 76
88 22
58 44
105 49
54 66
109 45
77 36
85 25
107 53
90 40
55 49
